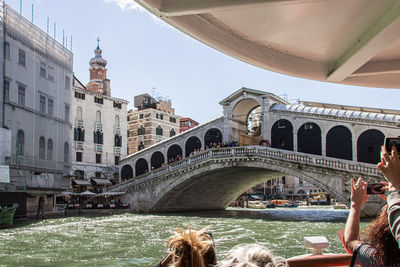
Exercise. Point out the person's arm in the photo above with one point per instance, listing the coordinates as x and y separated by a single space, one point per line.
358 197
390 168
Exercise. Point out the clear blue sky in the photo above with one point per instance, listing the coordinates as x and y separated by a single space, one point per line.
144 52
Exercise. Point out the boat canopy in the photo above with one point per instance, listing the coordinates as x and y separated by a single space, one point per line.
349 42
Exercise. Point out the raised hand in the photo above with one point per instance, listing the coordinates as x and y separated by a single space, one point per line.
359 193
390 166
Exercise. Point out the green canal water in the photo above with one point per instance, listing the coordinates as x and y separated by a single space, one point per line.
139 239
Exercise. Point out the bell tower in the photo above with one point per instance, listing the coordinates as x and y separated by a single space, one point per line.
98 73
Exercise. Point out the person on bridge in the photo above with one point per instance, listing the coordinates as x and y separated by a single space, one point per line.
190 248
378 247
252 255
390 168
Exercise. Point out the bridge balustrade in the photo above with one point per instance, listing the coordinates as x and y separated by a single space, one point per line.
297 157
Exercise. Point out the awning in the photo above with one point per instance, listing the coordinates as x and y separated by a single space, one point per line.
111 194
101 181
81 182
87 193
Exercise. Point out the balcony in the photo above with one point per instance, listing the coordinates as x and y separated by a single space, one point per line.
79 123
98 126
98 148
78 145
18 161
117 150
117 130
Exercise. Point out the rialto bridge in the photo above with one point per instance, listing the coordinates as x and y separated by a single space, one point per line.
324 144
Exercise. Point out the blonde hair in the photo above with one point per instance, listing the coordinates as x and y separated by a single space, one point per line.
252 255
191 247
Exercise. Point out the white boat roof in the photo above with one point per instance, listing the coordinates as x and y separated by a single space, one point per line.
350 42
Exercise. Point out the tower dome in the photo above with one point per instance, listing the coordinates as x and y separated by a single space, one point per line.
97 60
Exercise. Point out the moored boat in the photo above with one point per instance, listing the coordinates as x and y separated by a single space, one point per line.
7 215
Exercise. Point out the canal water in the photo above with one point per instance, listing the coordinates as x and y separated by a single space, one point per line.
139 239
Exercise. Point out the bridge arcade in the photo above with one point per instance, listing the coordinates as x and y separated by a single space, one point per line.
336 133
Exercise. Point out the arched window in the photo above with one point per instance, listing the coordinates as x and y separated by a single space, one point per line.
49 149
159 130
79 113
172 132
42 148
20 143
66 152
116 121
141 130
98 116
140 146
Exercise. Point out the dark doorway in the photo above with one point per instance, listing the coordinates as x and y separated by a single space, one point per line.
141 167
126 172
212 136
192 144
339 144
282 135
157 159
309 139
173 152
369 146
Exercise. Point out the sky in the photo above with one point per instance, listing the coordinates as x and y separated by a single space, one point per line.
144 52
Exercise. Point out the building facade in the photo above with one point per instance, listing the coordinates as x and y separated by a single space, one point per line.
37 105
152 122
186 123
99 131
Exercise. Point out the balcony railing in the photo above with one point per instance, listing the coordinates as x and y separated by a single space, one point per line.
117 130
78 145
98 126
79 123
35 163
98 147
117 150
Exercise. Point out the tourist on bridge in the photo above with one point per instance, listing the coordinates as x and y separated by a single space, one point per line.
390 168
377 247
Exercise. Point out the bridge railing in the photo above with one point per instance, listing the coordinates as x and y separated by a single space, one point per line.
285 155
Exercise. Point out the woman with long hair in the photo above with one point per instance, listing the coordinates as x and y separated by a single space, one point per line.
377 247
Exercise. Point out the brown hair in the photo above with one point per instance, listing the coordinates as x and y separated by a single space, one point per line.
192 248
378 235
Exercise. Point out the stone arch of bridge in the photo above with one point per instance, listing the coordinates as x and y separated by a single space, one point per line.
141 166
339 142
192 143
202 189
369 144
173 151
309 138
212 135
126 172
157 160
282 134
239 112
